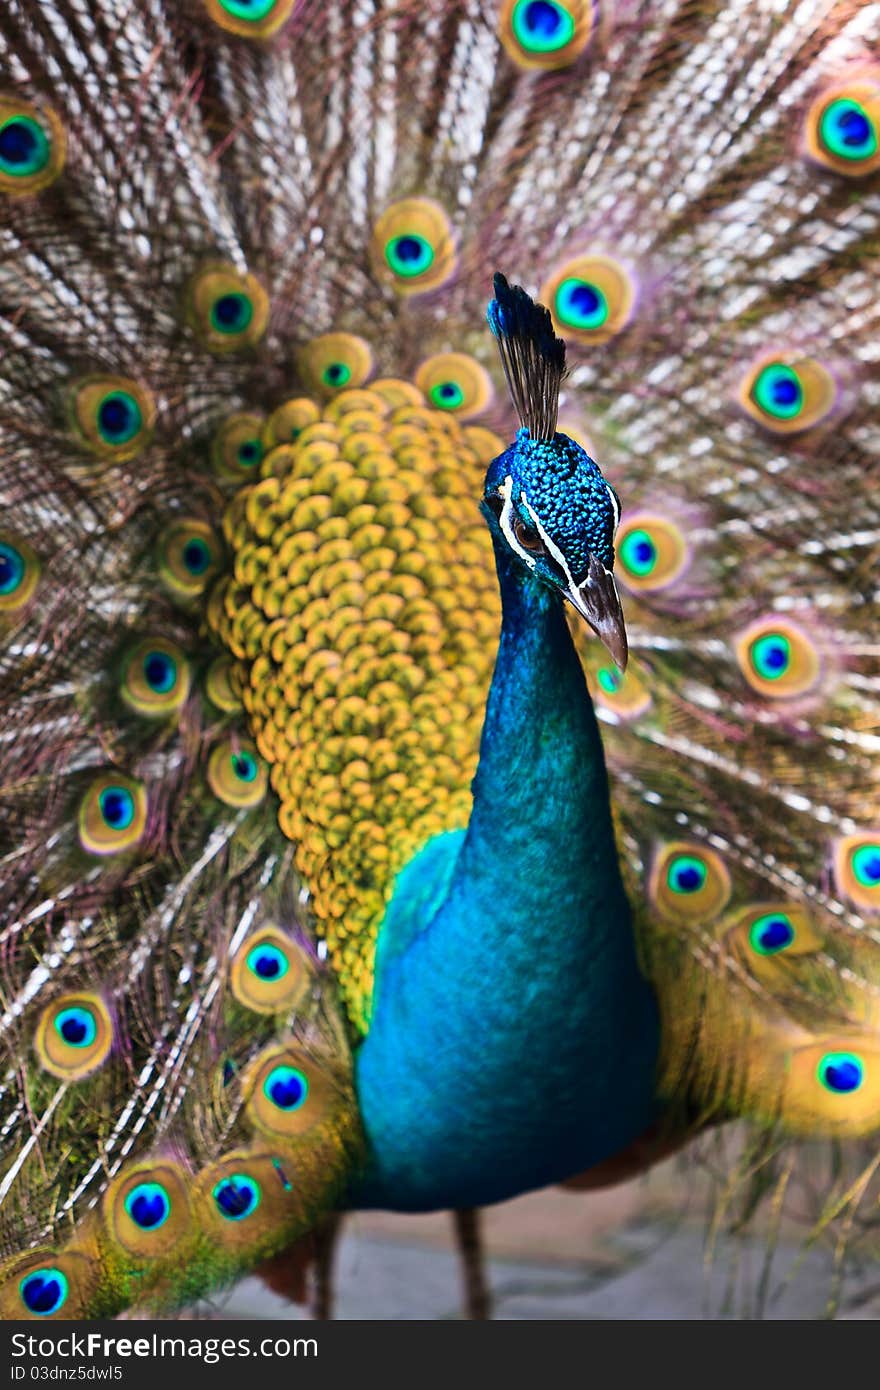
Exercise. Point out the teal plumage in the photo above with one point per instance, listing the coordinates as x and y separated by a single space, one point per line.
314 888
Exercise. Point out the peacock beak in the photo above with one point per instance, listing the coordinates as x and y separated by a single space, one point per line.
597 600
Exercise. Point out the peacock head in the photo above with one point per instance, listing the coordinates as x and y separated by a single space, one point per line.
544 498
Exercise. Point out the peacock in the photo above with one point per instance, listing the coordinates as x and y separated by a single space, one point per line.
321 888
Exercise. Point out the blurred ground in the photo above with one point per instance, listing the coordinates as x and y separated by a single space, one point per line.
637 1251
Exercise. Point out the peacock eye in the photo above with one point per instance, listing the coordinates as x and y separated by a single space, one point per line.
527 536
237 1196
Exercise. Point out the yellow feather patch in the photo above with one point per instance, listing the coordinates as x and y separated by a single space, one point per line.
364 610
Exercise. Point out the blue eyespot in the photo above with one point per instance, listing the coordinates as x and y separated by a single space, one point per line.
866 865
686 874
237 1196
609 680
771 655
245 766
846 130
44 1291
286 1087
117 807
12 568
24 147
770 934
160 672
119 418
196 556
231 313
841 1072
581 304
268 962
409 255
76 1026
148 1205
542 26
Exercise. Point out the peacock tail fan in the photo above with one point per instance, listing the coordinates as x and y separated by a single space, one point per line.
248 606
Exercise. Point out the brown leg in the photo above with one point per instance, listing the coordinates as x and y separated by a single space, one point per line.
324 1244
478 1303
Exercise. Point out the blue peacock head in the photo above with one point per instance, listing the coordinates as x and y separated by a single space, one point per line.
544 497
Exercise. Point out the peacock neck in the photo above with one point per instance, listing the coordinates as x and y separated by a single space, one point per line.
513 1038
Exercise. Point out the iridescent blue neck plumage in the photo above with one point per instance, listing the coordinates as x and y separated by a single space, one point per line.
513 1039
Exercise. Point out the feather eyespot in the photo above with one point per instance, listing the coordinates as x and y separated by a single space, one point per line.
251 19
74 1036
842 128
237 774
623 693
156 678
189 556
236 1196
147 1208
777 659
412 246
46 1283
689 881
112 416
112 815
246 1199
857 868
268 973
591 299
457 383
44 1291
335 362
545 33
237 448
226 310
788 395
32 147
19 574
288 1092
841 1072
771 933
652 552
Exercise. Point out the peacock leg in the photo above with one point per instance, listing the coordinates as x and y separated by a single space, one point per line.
325 1241
477 1297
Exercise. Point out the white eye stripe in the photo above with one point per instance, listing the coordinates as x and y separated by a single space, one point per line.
505 523
615 504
